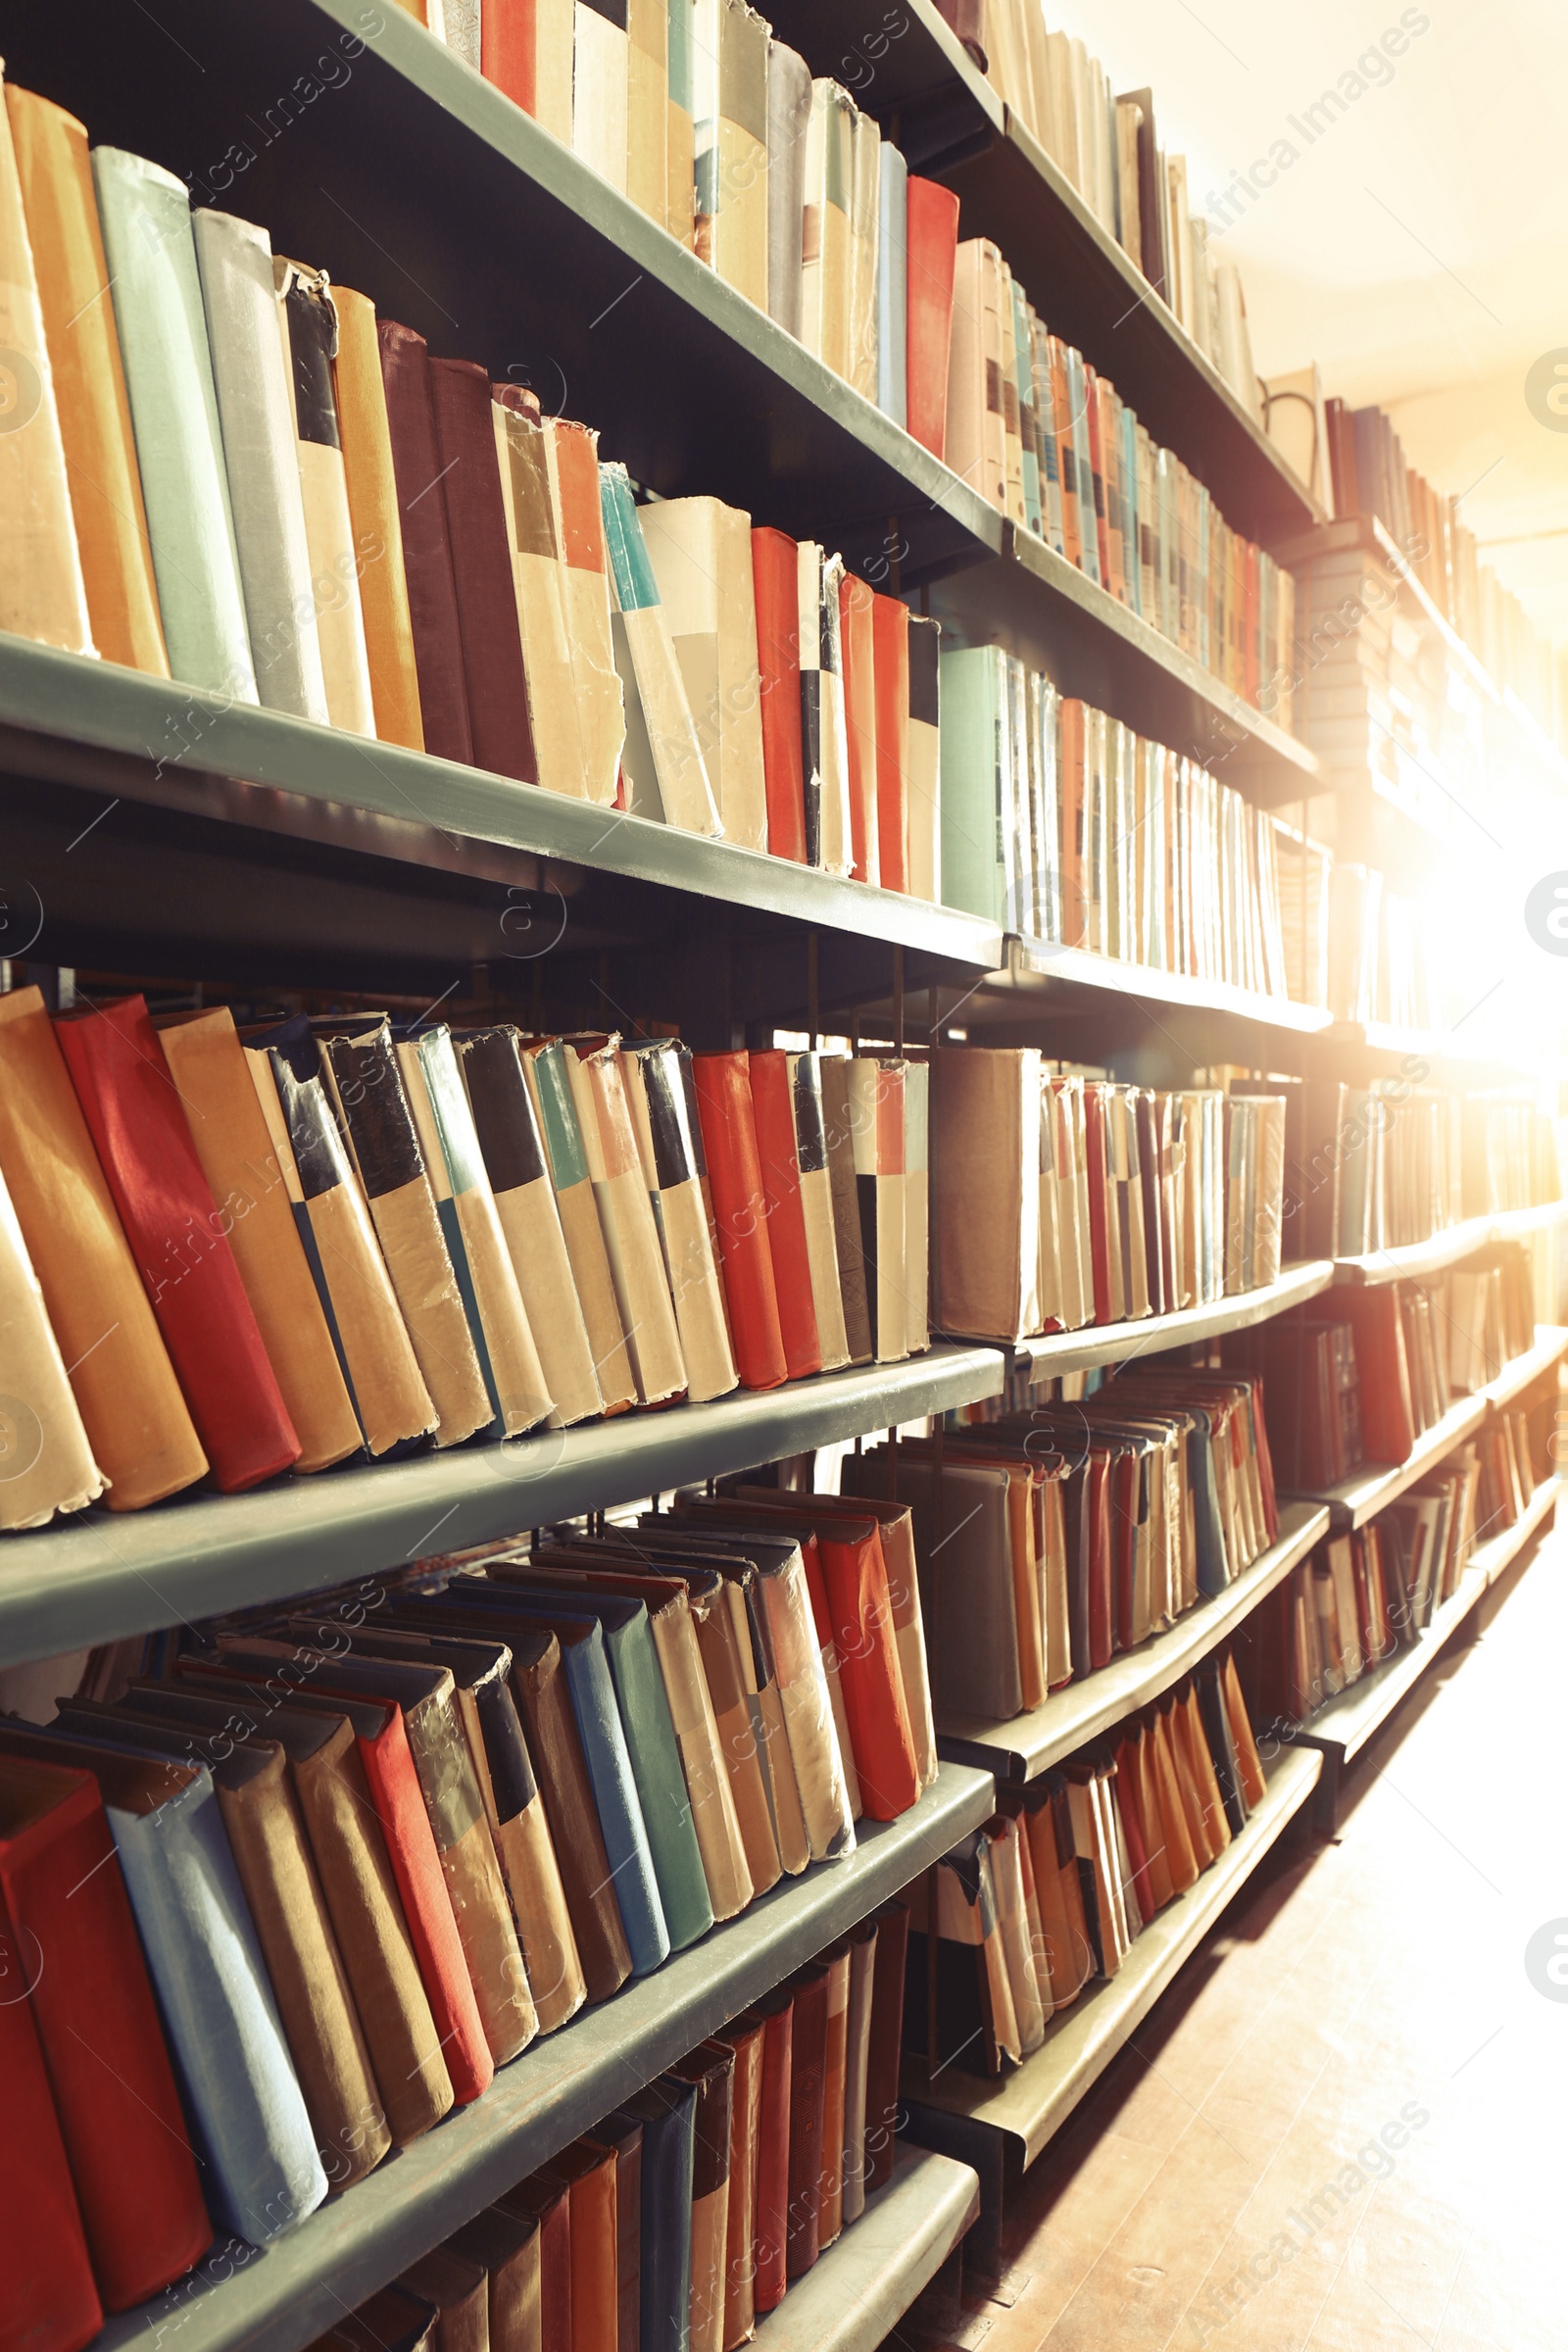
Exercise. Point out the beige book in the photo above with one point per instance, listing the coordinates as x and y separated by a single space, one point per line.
816 1751
1011 421
680 142
976 439
714 1818
599 90
985 1191
1035 43
541 585
1180 240
574 451
626 1221
821 1258
648 106
545 1066
729 109
46 1462
42 592
825 262
723 1635
1129 122
667 1151
865 179
916 1207
555 30
1013 1923
1064 106
308 327
830 2204
701 551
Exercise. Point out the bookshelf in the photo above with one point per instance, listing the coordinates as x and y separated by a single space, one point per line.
267 844
1342 1727
285 2296
1069 1718
1416 1261
925 89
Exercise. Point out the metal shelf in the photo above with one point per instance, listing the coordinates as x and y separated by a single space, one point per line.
1032 1742
1371 1488
1028 2106
859 2289
1039 971
284 2297
1345 1724
1413 1261
107 1576
1110 1343
929 95
1513 1380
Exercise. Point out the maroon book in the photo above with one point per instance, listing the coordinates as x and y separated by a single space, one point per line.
777 2011
887 2041
808 2094
481 565
416 463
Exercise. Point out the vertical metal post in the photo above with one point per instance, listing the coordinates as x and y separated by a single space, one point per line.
898 1001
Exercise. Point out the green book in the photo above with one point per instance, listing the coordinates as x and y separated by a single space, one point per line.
976 781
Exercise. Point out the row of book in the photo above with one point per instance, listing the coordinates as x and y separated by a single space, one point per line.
1054 1891
1362 1598
1372 476
1382 955
313 1240
1107 147
1361 1378
1059 1201
239 477
1061 824
1054 1538
681 2219
367 1854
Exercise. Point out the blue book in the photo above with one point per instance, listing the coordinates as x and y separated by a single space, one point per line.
667 2113
893 286
261 2172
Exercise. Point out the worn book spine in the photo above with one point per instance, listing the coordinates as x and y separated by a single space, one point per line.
674 1171
839 1142
701 551
789 110
550 1082
598 93
775 577
52 2297
307 321
811 1987
627 1219
370 480
730 1145
580 530
540 588
747 2037
427 557
44 1450
678 787
498 722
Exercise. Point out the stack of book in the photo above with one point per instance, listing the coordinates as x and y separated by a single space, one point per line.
1054 1893
1062 824
1371 477
1055 1537
245 481
1108 148
1488 1315
1509 1156
1386 953
371 1852
1059 1201
278 1248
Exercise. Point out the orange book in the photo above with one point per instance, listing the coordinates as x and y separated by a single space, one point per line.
728 1123
377 525
857 646
890 622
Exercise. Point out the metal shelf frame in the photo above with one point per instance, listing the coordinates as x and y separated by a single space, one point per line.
857 2291
1060 1351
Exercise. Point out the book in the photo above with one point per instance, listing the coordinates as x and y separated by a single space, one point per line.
356 1875
55 177
775 576
876 1096
545 1705
207 1066
648 27
824 751
255 410
42 591
259 2171
885 2039
507 2248
790 1244
144 213
549 1079
746 2038
665 2108
809 2059
701 551
891 283
187 1267
856 645
625 2135
730 120
408 392
890 639
86 1989
458 2289
789 110
727 1119
924 795
627 1219
47 1455
857 2043
369 481
393 2319
449 1145
665 757
574 488
866 165
540 584
510 1141
835 2067
825 255
932 236
776 2011
680 132
662 1099
838 1135
359 1066
600 83
501 729
710 2068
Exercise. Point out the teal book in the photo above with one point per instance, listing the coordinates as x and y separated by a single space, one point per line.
976 781
151 251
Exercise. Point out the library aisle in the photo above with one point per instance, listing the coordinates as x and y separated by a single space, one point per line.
1356 2065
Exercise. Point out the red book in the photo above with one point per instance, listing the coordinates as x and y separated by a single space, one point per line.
773 1109
777 2011
932 245
410 1847
858 651
1096 1479
49 2302
1388 1414
775 583
481 570
728 1123
549 2202
76 1947
509 44
890 631
427 547
807 2090
1132 1828
132 1110
1097 468
886 2041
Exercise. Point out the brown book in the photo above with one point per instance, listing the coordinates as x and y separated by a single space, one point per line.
546 1707
141 1433
746 2038
884 2043
416 463
458 2290
548 2203
481 566
394 2319
770 2237
356 1876
507 2246
587 2172
856 2064
711 2068
838 1129
830 2219
808 2092
624 2133
207 1064
89 384
724 1637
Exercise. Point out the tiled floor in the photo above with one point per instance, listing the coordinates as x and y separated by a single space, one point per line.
1232 2183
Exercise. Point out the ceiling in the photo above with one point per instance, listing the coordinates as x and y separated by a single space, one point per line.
1416 246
